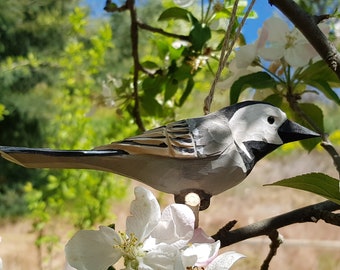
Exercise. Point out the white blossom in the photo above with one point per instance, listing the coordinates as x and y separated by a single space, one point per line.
280 42
153 240
184 3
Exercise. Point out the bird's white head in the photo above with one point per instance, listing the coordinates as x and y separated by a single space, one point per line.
262 123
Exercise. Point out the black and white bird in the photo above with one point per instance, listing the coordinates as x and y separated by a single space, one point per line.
208 154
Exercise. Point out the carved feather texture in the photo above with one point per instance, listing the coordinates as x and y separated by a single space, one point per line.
173 140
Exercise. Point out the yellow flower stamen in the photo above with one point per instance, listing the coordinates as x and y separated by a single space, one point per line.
131 248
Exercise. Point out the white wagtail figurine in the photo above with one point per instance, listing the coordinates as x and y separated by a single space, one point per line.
206 155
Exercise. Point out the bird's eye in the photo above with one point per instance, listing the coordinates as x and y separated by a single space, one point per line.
271 120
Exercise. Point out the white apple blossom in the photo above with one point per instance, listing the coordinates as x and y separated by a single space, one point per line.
142 246
224 261
177 44
184 3
279 41
238 70
153 240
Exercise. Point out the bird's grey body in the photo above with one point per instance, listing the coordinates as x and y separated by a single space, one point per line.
210 154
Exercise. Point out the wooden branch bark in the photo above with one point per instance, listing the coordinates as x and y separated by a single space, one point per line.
150 28
311 213
307 24
276 241
136 65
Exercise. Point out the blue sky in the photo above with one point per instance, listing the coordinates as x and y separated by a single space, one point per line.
263 9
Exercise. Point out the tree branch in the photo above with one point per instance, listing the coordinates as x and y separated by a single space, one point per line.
311 213
328 146
276 241
226 50
307 24
136 65
161 31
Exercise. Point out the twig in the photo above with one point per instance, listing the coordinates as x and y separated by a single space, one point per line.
225 46
136 67
328 146
110 7
319 18
226 50
307 24
331 218
130 5
276 241
311 213
161 31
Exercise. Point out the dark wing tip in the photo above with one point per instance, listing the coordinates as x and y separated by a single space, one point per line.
50 158
53 152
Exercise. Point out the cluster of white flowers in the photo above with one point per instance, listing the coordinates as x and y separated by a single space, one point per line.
153 240
276 42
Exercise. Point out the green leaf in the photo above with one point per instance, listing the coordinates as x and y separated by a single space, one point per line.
171 87
226 13
274 99
314 112
199 35
150 65
176 13
258 80
187 91
162 48
153 85
325 88
151 106
317 183
175 54
182 72
319 71
316 115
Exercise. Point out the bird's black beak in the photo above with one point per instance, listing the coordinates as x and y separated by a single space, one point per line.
290 131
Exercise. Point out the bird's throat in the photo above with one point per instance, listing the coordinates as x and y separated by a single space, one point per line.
257 151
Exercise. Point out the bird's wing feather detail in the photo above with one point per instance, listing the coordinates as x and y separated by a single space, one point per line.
173 140
188 139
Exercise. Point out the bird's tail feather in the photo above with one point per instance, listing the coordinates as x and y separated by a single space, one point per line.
49 158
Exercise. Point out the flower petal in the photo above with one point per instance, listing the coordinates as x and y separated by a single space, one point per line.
275 52
145 214
189 258
183 3
205 253
277 29
245 55
93 250
224 261
176 226
201 237
163 256
300 54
